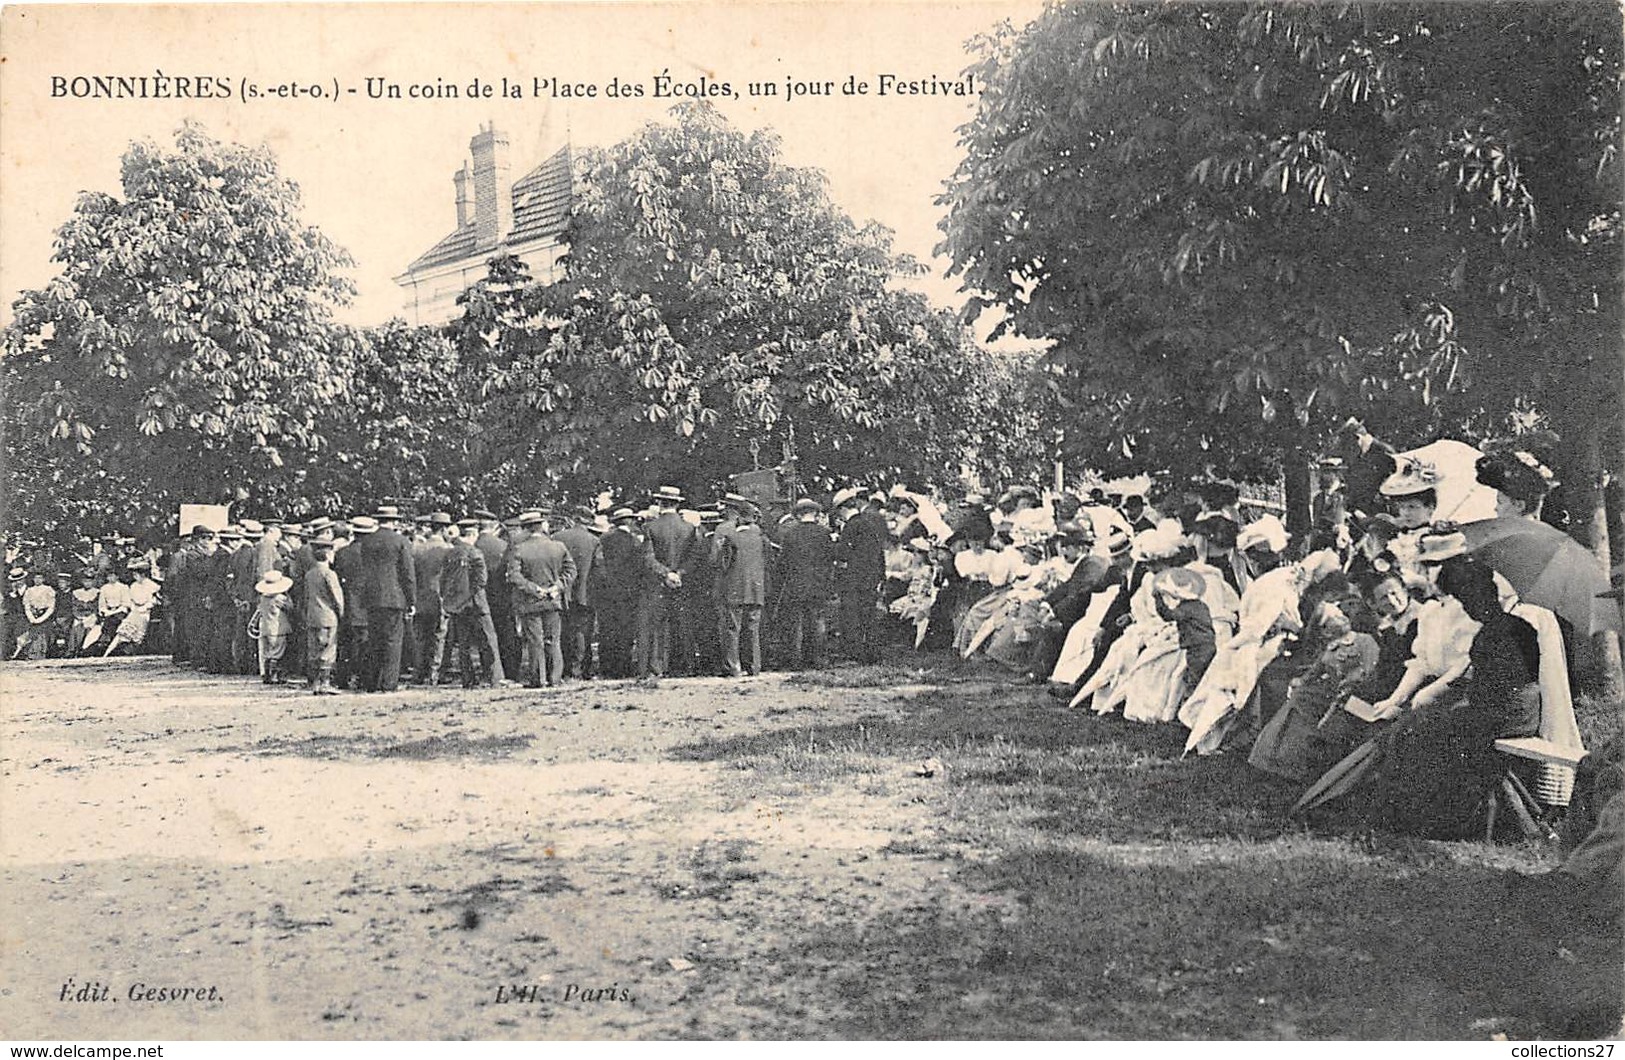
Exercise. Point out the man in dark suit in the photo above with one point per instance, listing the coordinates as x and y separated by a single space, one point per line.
429 624
621 552
541 574
742 552
806 581
662 618
863 545
389 593
347 564
504 634
699 593
463 580
578 611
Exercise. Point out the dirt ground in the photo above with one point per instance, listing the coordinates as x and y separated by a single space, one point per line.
381 866
707 858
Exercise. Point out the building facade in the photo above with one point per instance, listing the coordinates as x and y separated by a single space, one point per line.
496 214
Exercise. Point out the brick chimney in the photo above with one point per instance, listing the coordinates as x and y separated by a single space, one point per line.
465 208
493 187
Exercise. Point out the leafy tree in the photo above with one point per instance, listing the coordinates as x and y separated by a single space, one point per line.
715 300
185 352
401 433
1239 225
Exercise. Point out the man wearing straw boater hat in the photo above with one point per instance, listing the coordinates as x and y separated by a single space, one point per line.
389 592
541 573
663 621
504 633
350 566
622 548
429 554
463 581
579 618
741 588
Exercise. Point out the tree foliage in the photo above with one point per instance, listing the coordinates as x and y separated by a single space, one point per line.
1240 224
716 299
185 352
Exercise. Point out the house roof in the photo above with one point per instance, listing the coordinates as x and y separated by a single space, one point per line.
541 209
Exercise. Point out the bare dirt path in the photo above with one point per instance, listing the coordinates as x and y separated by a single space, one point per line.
402 865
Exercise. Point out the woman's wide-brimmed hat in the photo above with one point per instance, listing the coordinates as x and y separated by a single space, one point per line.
273 582
1436 548
1161 542
1519 475
1180 583
1266 532
1410 478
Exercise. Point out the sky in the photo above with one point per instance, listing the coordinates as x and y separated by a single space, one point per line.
376 174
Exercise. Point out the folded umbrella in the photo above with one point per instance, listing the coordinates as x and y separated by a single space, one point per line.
1547 568
1342 778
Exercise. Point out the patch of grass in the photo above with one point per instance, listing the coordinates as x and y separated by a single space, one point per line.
1120 891
433 748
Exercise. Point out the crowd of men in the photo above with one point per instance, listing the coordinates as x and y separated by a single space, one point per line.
538 598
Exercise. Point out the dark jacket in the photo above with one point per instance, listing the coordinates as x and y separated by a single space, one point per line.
630 566
323 598
863 544
541 573
428 557
349 565
388 581
672 539
583 546
742 559
806 571
463 578
492 550
1070 599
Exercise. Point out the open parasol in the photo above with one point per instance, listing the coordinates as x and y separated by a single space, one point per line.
1547 568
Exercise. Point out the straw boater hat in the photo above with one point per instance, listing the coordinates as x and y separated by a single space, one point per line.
273 582
1117 541
363 524
387 513
806 506
533 517
467 521
667 495
318 524
251 529
622 515
439 518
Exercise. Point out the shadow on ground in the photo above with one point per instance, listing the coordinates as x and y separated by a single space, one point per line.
1126 893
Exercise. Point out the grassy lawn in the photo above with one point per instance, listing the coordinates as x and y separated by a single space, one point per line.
1124 893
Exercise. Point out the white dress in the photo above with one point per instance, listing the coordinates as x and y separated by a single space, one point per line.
1231 678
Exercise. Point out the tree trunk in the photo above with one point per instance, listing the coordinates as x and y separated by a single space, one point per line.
1299 492
1595 514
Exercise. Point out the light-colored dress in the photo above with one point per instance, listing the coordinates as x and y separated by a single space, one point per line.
1230 680
1147 630
1017 627
143 595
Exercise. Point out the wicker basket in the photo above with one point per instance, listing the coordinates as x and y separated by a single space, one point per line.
1554 784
